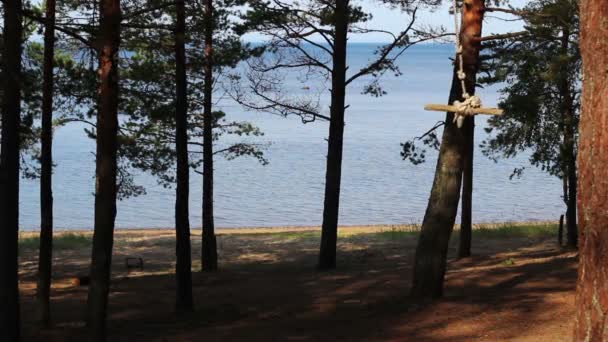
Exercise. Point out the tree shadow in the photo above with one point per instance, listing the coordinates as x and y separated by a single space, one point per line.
281 297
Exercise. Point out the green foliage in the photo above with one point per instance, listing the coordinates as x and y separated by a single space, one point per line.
542 72
147 83
533 69
148 89
301 40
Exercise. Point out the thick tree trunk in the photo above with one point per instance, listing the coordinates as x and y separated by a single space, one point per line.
106 169
568 148
329 234
438 223
592 289
183 266
466 216
45 258
209 253
9 172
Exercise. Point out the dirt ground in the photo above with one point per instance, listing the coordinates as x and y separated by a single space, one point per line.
512 289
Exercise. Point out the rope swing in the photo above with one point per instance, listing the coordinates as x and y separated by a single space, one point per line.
471 104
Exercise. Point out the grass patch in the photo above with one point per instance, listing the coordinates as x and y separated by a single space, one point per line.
60 242
513 230
396 234
482 232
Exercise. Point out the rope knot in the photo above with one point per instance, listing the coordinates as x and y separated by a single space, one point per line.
465 108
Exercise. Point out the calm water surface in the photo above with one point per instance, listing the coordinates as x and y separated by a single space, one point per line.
378 187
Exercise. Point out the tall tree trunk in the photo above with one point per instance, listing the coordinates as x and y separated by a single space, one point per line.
466 216
438 223
106 169
592 289
572 226
45 258
183 267
9 172
568 148
329 234
209 253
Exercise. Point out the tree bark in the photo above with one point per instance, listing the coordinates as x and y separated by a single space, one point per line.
466 216
183 266
9 172
571 221
106 169
209 252
568 148
438 223
329 233
591 322
45 258
560 231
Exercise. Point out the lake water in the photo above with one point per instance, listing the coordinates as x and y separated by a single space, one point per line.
378 187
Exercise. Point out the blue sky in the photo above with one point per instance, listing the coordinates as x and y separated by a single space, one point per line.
394 21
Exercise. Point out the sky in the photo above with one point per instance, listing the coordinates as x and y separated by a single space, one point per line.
394 21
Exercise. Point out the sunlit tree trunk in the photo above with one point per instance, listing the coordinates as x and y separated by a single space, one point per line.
106 169
329 236
438 223
592 288
9 171
183 267
209 252
45 258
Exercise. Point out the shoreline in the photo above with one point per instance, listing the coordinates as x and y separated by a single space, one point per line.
353 229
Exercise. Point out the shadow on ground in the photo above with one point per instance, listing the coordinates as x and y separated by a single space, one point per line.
268 290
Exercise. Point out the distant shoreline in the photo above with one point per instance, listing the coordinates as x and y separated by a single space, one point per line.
374 228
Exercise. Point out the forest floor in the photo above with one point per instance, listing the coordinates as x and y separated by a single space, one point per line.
517 286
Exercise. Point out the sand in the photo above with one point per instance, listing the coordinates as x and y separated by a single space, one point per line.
512 289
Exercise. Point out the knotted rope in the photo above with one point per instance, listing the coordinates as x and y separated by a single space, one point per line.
470 102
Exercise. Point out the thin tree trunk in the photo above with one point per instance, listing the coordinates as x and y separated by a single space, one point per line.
329 234
568 148
438 223
560 231
183 267
45 258
591 322
571 221
466 216
209 253
9 172
106 169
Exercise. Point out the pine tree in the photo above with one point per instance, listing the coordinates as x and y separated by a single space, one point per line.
431 251
45 258
9 170
542 73
106 169
291 48
183 266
